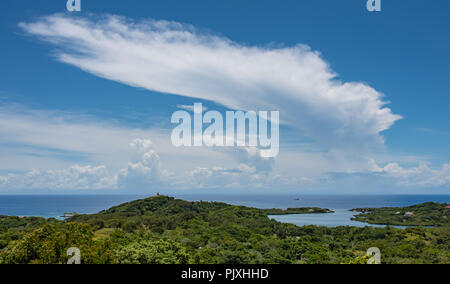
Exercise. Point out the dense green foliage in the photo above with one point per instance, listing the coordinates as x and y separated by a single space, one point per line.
14 228
49 245
427 214
165 230
152 252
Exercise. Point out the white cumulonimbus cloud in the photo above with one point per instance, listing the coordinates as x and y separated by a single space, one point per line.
144 173
174 58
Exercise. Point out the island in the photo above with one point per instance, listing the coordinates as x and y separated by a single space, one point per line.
165 230
427 214
296 211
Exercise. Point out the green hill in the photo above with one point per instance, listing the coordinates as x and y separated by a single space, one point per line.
162 230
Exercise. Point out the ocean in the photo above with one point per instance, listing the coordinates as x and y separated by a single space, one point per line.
48 206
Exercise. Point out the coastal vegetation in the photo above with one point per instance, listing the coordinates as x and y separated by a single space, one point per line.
164 230
427 214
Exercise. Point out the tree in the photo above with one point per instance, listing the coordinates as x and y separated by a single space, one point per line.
152 252
49 245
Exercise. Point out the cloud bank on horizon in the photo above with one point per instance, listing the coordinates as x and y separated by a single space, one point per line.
346 119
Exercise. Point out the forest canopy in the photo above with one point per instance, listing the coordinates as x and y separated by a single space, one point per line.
164 230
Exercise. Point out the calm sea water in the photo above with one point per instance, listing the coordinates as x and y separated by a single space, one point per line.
55 206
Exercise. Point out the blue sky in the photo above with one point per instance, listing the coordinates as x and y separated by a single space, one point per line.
53 112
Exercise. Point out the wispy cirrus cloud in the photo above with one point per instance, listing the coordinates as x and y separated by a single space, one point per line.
174 58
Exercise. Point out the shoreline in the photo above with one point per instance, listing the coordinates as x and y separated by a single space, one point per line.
288 211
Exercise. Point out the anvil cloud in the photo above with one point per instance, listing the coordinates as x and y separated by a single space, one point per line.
174 58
